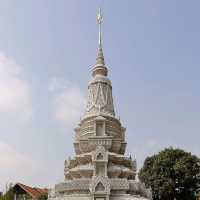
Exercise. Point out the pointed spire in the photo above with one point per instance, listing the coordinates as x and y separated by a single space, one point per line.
100 21
100 57
100 67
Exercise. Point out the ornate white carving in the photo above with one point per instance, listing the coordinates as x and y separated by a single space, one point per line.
100 150
77 184
100 100
99 167
116 171
119 184
105 181
66 166
100 141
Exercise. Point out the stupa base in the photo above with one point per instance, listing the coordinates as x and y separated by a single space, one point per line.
89 197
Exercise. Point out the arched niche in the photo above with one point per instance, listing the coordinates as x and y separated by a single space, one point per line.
99 187
100 156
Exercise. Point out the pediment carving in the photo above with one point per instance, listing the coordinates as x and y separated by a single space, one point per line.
100 184
100 154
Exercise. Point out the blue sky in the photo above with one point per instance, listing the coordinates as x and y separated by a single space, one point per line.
47 49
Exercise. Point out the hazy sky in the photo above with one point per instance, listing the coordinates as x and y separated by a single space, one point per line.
47 49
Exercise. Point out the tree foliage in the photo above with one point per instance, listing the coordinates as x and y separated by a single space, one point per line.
9 195
43 197
171 174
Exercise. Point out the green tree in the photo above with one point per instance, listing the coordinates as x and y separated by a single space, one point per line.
171 174
9 194
43 197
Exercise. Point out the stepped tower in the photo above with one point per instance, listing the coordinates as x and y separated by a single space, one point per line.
99 170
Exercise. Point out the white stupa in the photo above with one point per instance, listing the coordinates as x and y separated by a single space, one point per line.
100 170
